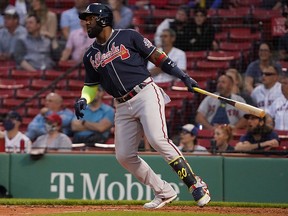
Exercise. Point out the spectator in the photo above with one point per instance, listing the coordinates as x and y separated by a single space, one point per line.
49 22
259 136
202 33
222 137
255 68
168 38
180 24
34 52
53 104
283 44
188 140
238 85
53 139
264 94
22 7
279 108
96 123
4 5
212 112
122 15
10 33
78 42
69 18
13 137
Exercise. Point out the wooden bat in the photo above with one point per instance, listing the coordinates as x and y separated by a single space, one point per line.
241 106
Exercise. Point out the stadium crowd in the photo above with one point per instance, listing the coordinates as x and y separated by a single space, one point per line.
228 46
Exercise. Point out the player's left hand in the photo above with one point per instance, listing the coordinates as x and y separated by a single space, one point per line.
80 104
190 83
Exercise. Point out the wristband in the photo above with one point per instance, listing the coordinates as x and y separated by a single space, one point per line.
170 67
259 145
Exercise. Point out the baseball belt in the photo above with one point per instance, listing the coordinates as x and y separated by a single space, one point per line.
133 92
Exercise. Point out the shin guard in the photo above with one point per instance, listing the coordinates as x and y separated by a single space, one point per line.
184 171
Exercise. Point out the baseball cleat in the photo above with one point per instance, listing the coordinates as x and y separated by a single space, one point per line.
201 193
159 202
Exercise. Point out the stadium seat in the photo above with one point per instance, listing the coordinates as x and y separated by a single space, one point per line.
205 134
7 93
212 65
243 35
14 84
223 55
203 75
23 74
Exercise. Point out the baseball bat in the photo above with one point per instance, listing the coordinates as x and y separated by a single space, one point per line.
239 105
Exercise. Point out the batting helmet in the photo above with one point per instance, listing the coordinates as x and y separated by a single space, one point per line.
103 13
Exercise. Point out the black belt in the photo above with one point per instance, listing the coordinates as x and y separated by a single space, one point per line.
133 92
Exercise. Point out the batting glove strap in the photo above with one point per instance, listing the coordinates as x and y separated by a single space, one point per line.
80 104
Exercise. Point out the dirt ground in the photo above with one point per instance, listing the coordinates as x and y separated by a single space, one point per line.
9 210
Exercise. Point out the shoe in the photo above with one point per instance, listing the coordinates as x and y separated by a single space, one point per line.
200 192
159 202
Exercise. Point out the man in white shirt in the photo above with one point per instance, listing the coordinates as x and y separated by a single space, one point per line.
270 89
168 38
279 108
15 141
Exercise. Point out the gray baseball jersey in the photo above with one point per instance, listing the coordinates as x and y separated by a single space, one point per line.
279 112
209 105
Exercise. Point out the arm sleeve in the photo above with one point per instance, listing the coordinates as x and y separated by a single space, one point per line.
143 45
20 51
89 93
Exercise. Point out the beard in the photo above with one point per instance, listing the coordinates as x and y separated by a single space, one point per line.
94 32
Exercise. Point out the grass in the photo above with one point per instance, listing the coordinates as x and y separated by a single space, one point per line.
14 201
112 212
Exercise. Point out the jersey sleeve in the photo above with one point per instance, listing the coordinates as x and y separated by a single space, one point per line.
142 45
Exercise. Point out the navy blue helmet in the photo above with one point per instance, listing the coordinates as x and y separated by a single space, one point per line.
103 12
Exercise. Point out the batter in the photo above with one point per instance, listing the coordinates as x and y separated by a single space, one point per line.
116 60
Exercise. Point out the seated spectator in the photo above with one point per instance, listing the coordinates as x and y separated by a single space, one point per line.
238 85
78 42
212 112
255 68
180 24
168 38
53 139
188 140
278 110
283 44
53 104
96 123
14 139
22 7
122 14
203 33
49 22
69 20
34 52
264 94
222 137
4 5
259 136
11 31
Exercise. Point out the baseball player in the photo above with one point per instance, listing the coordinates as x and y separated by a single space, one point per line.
116 60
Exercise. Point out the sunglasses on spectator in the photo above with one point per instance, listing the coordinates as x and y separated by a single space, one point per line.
269 74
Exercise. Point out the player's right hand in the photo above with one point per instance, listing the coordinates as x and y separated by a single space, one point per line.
80 104
190 83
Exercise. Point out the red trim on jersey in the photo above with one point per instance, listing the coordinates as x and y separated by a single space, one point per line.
163 125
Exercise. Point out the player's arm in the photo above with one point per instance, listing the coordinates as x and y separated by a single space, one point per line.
161 60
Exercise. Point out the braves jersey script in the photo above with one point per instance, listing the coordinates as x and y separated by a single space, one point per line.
120 63
279 112
264 97
209 105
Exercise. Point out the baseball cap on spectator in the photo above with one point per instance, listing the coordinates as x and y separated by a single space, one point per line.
248 115
54 118
191 129
200 10
14 115
11 11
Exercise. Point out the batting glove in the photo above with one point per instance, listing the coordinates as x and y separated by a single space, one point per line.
80 104
190 83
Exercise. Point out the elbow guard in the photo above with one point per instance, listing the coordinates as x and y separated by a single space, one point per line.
170 67
89 93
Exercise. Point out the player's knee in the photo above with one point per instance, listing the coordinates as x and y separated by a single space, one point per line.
124 158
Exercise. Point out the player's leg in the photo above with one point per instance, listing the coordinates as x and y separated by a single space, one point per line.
154 125
128 132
